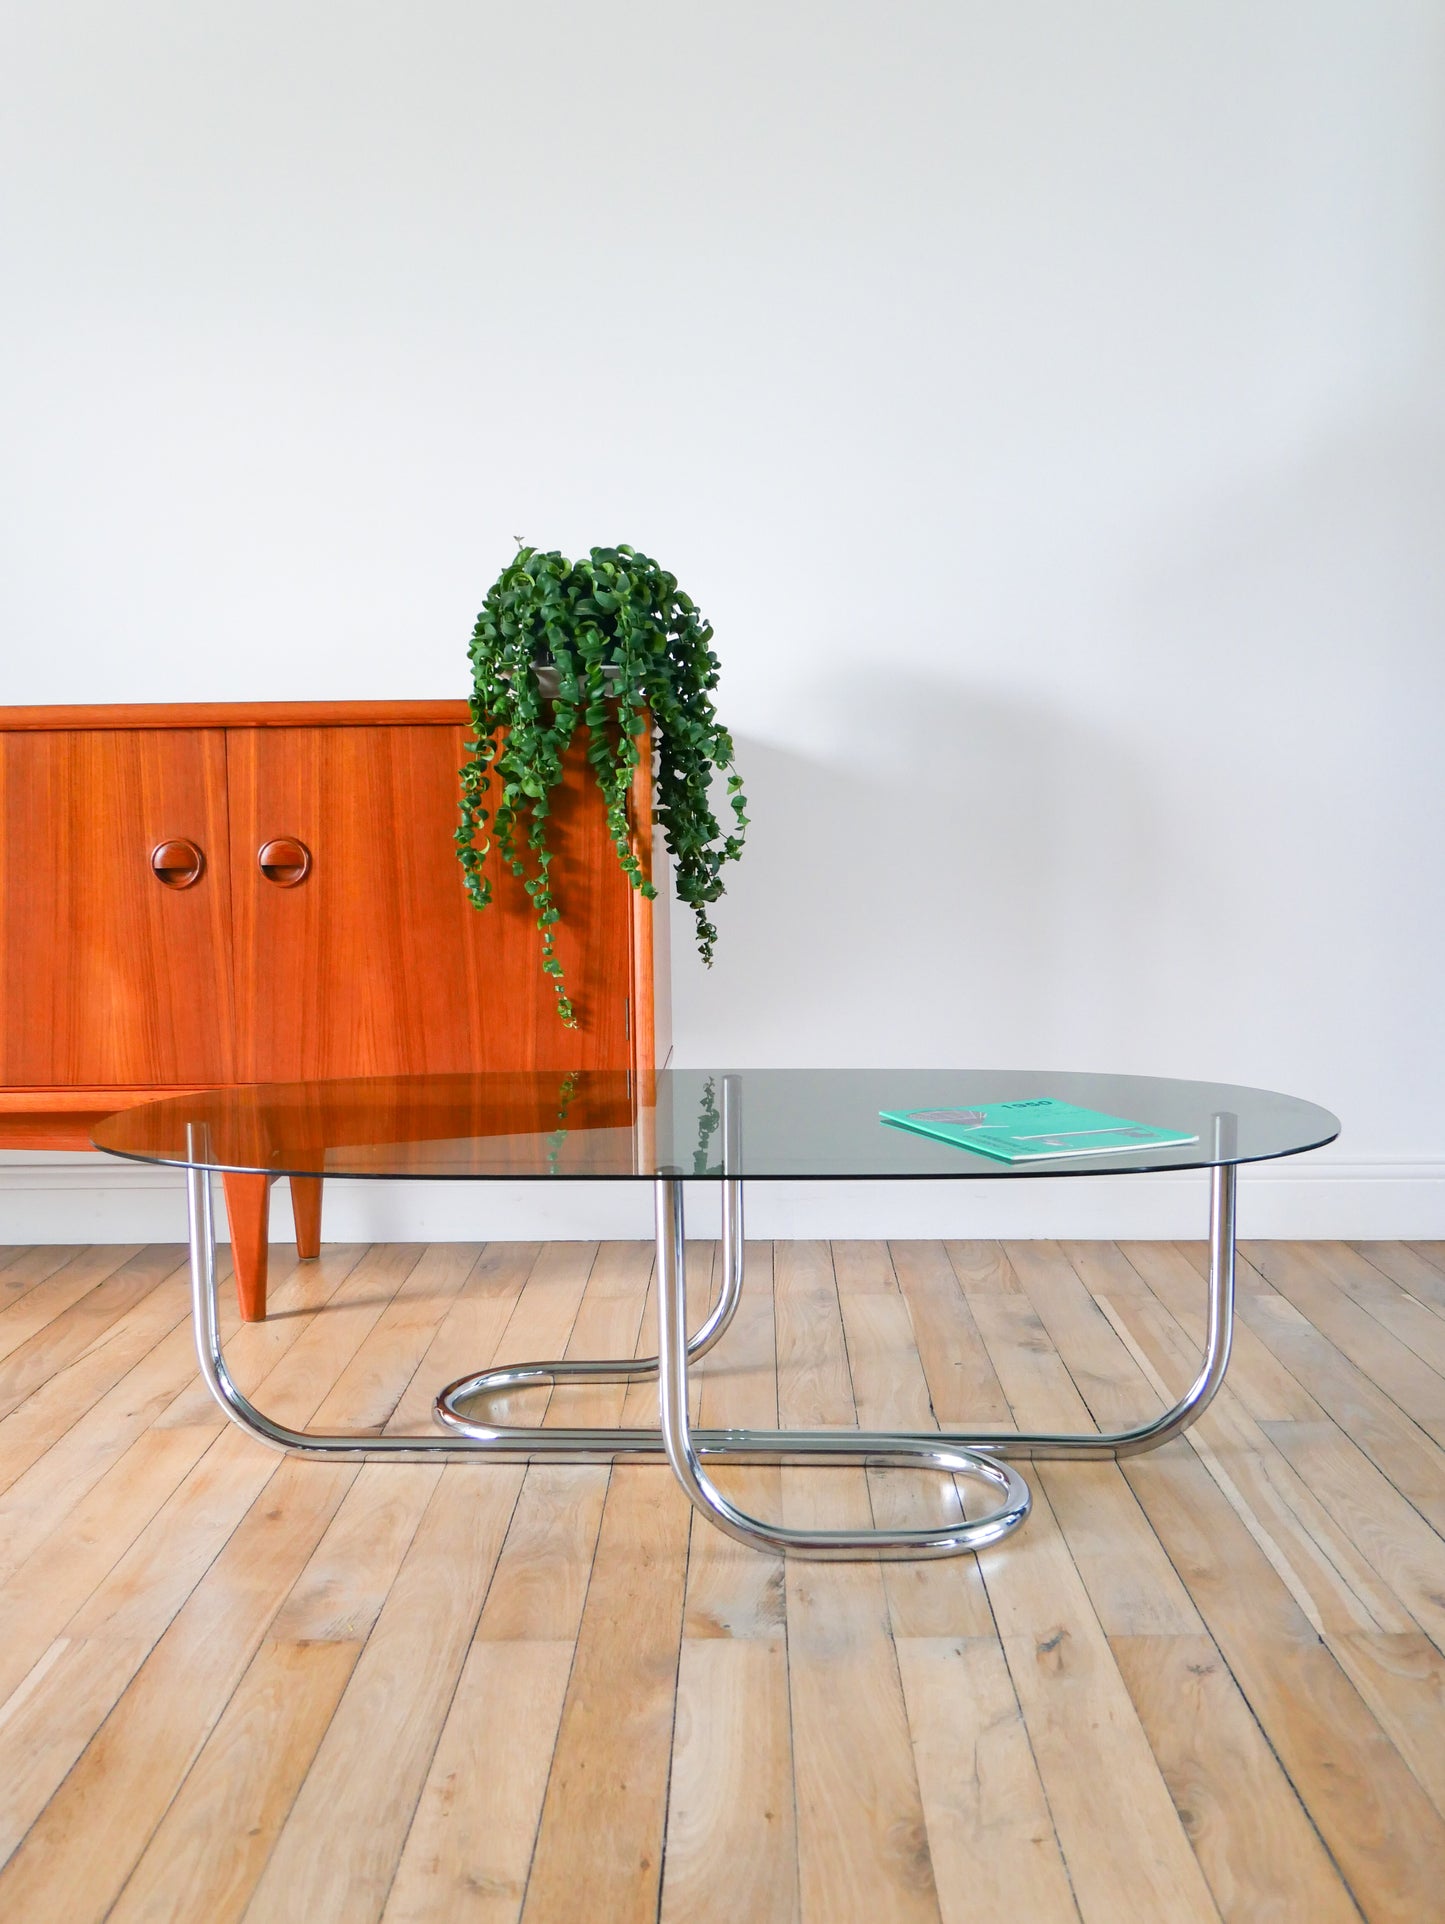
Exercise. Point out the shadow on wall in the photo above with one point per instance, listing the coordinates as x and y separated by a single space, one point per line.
1285 647
971 880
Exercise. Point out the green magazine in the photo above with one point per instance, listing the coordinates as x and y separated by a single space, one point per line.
1036 1129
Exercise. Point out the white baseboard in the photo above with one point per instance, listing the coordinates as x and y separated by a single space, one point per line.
94 1199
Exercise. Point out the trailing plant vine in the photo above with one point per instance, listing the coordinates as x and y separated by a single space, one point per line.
624 641
557 1141
708 1120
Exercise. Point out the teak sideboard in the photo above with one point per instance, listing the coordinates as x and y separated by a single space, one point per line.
201 895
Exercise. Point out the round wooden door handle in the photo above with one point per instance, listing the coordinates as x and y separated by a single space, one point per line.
178 863
285 861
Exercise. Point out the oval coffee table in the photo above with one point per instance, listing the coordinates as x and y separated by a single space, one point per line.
687 1126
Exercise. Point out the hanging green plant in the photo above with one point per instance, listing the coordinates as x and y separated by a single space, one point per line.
600 642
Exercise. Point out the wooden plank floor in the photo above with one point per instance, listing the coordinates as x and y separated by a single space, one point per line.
1208 1684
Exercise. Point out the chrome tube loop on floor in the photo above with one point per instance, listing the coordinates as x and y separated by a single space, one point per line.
685 1455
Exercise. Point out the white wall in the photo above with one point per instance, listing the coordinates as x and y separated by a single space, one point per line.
1044 401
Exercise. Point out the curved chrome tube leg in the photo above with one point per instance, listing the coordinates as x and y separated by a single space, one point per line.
206 1323
517 1376
833 1545
1112 1444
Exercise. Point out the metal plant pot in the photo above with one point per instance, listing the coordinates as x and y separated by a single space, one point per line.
549 681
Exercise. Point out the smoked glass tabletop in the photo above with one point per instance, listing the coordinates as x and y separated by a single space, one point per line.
700 1124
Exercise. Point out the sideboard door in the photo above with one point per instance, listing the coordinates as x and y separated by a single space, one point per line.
115 938
357 951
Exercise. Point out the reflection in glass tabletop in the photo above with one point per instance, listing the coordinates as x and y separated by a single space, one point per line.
608 1125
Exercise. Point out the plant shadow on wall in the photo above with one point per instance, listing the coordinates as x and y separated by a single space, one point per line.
975 879
1312 588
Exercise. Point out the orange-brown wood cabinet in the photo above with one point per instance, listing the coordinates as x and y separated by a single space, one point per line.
204 894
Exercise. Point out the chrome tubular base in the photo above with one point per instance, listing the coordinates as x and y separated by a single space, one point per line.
976 1455
685 1449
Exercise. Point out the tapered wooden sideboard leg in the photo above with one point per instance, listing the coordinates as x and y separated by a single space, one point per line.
248 1210
306 1210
